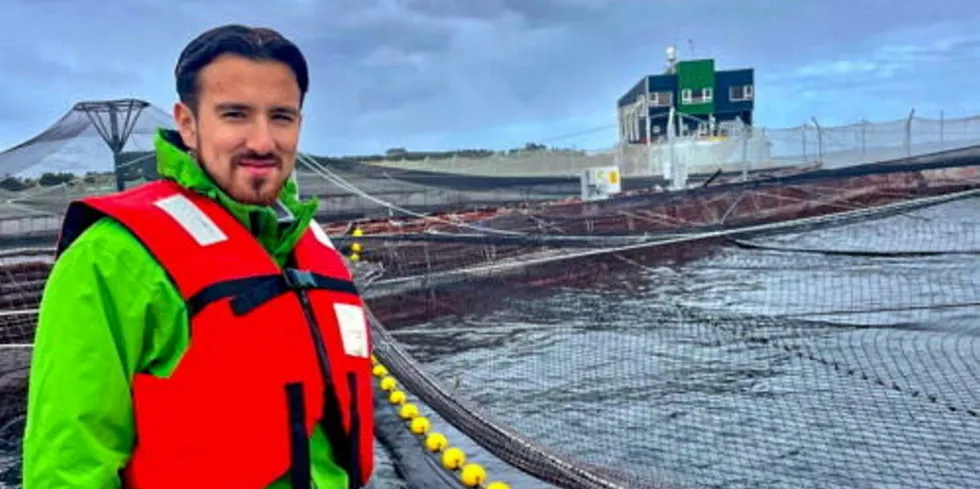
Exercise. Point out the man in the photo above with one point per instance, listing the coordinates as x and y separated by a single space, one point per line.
200 330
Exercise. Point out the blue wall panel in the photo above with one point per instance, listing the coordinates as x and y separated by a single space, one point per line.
630 96
724 80
663 83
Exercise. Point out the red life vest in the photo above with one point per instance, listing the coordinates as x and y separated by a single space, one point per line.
273 351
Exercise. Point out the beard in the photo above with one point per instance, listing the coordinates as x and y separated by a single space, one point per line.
260 186
242 187
251 189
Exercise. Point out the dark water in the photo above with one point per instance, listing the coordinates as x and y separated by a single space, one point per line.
750 368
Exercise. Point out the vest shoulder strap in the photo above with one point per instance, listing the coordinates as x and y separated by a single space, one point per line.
316 252
197 241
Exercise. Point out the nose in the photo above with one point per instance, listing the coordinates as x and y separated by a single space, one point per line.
260 138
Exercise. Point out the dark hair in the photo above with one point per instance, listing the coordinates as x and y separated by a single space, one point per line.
255 43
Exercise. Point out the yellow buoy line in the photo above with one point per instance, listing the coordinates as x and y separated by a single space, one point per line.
355 248
452 458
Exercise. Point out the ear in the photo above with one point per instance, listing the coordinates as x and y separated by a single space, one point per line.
185 121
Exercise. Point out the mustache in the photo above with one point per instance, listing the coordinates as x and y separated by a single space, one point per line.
266 158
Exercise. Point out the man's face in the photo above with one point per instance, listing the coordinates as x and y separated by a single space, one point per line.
246 129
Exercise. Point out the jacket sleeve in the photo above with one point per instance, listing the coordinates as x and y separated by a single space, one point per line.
102 318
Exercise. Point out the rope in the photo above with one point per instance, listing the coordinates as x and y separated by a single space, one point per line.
683 238
841 312
18 312
19 252
322 171
871 253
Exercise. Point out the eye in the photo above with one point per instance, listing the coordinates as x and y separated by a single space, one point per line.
233 114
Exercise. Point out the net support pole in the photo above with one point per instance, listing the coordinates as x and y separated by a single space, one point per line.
116 145
114 130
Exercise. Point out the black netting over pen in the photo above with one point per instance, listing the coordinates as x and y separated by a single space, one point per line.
840 354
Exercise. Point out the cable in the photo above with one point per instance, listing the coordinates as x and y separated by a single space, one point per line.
486 270
339 181
18 312
868 253
24 252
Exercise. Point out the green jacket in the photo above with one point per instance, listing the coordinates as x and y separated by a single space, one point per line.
109 311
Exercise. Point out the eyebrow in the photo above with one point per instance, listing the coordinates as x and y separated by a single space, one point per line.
245 107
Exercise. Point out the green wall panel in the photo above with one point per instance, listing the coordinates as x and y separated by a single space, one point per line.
696 74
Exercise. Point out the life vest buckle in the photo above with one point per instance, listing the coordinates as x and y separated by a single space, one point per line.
299 279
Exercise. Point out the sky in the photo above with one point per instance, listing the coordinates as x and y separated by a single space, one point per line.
448 74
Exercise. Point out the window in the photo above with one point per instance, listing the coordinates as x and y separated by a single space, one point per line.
740 93
657 99
697 95
661 99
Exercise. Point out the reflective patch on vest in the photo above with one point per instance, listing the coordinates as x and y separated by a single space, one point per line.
192 219
353 329
320 235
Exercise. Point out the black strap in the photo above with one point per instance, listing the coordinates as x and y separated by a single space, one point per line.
332 425
221 290
354 455
78 217
251 292
299 441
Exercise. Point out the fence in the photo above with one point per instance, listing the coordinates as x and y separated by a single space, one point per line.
734 149
737 149
37 212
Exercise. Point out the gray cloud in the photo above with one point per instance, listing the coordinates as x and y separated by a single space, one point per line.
899 64
48 63
464 72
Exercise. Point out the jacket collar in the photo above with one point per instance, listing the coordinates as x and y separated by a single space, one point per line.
277 227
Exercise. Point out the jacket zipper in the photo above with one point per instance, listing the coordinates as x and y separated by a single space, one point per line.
331 427
314 325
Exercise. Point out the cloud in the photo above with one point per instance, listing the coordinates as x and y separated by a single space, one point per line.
881 77
442 74
53 63
891 61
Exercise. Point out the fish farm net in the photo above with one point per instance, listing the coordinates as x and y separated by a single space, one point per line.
815 329
839 356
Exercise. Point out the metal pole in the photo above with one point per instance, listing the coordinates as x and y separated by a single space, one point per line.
942 130
116 144
908 133
819 139
804 143
646 117
864 138
744 134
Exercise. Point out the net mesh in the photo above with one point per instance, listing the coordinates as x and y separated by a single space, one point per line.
800 329
76 143
77 156
841 354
